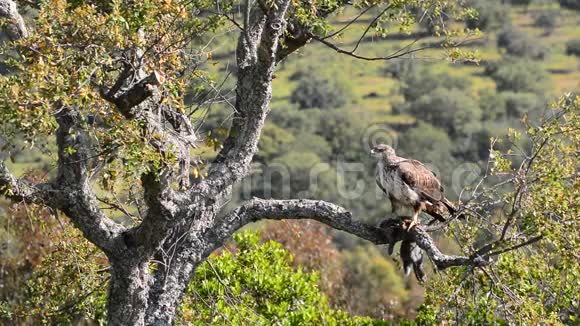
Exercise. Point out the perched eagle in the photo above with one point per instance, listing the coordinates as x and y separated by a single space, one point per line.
410 184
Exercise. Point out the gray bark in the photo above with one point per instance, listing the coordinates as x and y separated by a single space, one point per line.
128 290
181 227
9 10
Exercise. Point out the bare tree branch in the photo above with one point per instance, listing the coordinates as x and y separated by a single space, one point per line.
341 219
18 190
395 55
369 27
75 196
256 56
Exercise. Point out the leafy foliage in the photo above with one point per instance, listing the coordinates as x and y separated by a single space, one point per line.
519 104
535 285
362 281
316 91
59 282
228 289
491 15
547 19
492 105
570 4
371 275
78 49
573 47
519 75
451 110
518 43
419 80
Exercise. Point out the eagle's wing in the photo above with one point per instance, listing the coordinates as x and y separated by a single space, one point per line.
421 179
378 181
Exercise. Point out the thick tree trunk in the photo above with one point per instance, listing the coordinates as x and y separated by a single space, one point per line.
128 290
170 285
190 244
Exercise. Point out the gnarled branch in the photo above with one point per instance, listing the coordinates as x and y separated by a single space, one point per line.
256 56
19 191
341 219
75 195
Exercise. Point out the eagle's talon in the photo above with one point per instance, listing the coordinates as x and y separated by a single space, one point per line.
407 224
413 224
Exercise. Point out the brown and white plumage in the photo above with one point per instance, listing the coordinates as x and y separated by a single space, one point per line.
409 183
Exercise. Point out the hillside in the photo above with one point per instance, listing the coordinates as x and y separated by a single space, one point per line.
376 105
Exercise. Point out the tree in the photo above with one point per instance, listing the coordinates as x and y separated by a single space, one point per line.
452 110
518 75
547 19
573 47
520 2
373 278
316 91
492 105
491 15
519 104
418 81
104 81
518 43
273 138
570 4
225 288
363 281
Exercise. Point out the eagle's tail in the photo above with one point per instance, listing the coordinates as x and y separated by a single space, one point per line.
438 208
451 208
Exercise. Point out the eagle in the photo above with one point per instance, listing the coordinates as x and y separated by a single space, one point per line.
410 184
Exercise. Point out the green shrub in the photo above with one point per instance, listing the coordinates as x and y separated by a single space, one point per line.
317 91
518 43
518 75
421 81
399 68
520 2
547 19
573 47
228 290
449 109
491 15
519 104
492 106
570 4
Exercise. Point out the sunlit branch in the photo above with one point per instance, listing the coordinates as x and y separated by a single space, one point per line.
341 219
367 58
